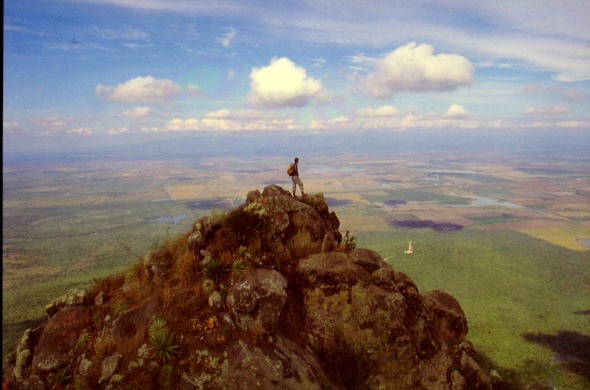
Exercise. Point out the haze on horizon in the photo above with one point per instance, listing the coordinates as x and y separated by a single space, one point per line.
80 74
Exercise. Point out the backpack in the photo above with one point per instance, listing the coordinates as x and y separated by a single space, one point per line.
291 170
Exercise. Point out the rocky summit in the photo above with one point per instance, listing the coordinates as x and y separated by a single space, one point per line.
269 295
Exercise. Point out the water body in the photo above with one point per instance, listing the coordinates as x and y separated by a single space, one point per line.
174 219
584 241
481 201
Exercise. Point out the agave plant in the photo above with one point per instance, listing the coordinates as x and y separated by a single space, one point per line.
82 341
157 328
120 306
164 347
216 270
166 376
208 286
238 267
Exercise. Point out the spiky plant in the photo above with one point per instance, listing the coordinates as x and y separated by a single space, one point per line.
166 376
216 270
61 376
82 341
120 306
208 286
158 328
164 347
238 267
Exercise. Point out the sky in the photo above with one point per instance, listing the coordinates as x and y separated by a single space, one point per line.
116 72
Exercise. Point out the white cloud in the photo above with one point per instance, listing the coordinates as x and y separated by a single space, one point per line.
456 111
361 58
136 45
137 112
574 124
120 130
557 110
283 84
10 125
192 89
126 34
415 68
385 111
49 125
247 115
81 130
221 124
227 38
140 90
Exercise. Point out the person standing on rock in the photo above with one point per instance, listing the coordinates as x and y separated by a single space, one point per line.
295 177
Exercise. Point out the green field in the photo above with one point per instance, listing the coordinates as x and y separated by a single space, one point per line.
516 291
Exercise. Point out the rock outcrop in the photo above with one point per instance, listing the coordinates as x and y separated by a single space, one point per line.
263 297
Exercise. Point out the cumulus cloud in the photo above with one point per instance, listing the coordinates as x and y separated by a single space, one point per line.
140 90
137 112
456 111
384 111
414 68
227 38
283 84
557 110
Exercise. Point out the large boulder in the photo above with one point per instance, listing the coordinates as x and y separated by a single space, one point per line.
158 266
59 338
375 329
447 314
75 296
272 222
256 301
129 323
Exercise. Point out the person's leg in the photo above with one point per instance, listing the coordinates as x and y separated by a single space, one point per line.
294 184
298 181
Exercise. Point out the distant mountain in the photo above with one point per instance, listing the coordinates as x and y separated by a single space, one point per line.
269 296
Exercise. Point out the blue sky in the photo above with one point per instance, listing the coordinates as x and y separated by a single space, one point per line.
110 72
